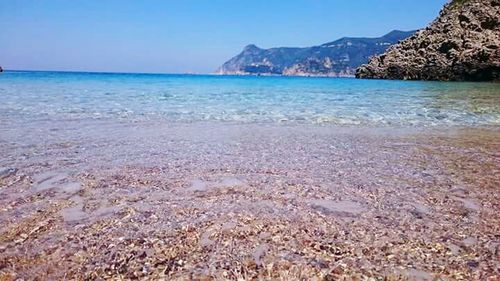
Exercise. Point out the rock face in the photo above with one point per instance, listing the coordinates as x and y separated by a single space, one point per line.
337 58
1 69
462 44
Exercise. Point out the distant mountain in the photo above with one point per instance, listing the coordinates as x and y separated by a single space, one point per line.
337 58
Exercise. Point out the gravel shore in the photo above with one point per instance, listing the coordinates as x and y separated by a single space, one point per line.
201 201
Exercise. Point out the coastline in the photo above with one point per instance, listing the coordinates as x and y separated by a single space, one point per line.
311 75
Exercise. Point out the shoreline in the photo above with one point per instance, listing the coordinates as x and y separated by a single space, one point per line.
212 200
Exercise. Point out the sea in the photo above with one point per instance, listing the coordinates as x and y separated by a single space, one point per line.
32 95
177 177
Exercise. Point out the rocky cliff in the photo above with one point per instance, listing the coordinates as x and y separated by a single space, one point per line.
337 58
461 44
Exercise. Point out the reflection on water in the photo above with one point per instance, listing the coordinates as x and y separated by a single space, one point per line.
57 95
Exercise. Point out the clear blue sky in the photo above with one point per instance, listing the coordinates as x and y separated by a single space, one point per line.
184 35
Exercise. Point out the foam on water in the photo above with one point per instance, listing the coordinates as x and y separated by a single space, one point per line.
188 98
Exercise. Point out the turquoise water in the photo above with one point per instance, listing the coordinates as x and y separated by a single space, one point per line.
190 98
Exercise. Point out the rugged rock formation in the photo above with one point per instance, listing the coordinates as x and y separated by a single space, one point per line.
337 58
461 44
1 69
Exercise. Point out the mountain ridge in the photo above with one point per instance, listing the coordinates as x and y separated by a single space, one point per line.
336 58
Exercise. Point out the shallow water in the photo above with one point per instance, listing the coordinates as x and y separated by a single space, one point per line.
56 95
101 175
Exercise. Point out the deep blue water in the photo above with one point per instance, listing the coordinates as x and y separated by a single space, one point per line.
187 98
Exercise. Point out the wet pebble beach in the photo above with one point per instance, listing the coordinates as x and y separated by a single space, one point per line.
94 200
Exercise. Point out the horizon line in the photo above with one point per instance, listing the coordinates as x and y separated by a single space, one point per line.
108 72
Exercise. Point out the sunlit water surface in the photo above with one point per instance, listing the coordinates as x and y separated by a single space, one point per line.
187 98
107 175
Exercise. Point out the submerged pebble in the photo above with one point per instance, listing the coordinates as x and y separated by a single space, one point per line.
7 172
152 201
337 207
